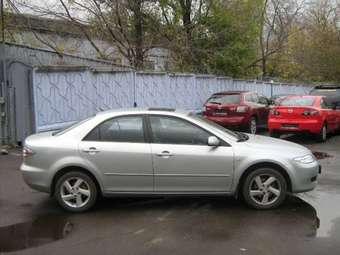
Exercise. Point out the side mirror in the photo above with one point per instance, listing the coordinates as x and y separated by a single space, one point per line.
213 141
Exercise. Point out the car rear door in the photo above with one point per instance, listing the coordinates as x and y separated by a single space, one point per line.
118 150
182 160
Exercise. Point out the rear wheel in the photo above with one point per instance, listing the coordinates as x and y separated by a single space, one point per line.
252 125
264 188
76 191
322 135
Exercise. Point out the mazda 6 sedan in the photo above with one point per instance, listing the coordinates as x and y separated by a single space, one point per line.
163 152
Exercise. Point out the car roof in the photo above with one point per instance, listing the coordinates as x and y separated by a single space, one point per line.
154 110
231 92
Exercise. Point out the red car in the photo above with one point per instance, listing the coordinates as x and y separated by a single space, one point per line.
238 109
305 113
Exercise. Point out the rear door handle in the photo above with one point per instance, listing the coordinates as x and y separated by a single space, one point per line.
164 154
91 150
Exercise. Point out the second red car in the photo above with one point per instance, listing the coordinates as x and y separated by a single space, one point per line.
305 113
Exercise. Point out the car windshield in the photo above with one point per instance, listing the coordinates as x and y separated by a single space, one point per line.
297 101
214 125
225 99
69 127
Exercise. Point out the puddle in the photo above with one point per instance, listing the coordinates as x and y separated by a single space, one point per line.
327 204
34 233
321 155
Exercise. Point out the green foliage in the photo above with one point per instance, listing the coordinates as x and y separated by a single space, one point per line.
221 39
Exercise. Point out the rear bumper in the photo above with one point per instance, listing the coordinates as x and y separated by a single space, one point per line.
36 178
302 125
229 120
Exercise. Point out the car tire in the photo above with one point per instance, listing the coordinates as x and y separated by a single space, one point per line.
322 135
76 191
274 134
252 125
264 188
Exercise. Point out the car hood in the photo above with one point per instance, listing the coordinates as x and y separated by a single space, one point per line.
275 145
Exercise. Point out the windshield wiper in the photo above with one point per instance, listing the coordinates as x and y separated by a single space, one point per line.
242 137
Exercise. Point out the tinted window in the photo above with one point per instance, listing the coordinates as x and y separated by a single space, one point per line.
297 101
121 129
225 99
263 100
170 130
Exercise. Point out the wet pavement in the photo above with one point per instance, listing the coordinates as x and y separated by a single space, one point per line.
32 223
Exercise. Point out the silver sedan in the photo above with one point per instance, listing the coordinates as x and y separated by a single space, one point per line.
163 152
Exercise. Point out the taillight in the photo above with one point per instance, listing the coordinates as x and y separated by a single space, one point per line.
26 152
310 112
242 109
274 112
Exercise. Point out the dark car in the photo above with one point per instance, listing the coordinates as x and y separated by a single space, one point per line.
331 94
326 90
238 109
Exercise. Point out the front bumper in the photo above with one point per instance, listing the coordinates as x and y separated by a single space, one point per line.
36 178
301 125
305 177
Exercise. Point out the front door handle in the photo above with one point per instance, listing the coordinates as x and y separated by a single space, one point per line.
91 150
164 154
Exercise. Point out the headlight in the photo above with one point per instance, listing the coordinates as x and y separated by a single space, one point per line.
305 159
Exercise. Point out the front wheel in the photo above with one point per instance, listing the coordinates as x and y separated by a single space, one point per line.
76 191
264 188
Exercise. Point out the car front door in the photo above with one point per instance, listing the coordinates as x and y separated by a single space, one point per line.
331 114
117 148
183 161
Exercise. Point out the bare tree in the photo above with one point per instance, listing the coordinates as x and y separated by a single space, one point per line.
277 18
122 23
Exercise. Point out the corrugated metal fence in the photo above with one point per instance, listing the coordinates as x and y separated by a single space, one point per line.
62 97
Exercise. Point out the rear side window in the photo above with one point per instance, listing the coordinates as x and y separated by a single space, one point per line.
225 99
297 101
171 130
120 129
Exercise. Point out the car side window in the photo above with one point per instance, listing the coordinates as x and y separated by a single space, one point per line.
172 130
323 104
255 98
247 97
263 100
120 129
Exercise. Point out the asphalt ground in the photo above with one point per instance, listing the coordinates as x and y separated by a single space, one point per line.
32 223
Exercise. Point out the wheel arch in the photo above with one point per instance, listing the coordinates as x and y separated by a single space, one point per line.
68 169
258 165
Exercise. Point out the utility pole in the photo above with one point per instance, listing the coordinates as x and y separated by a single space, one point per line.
3 75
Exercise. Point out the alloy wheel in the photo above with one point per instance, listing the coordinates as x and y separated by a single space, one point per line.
265 189
75 192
